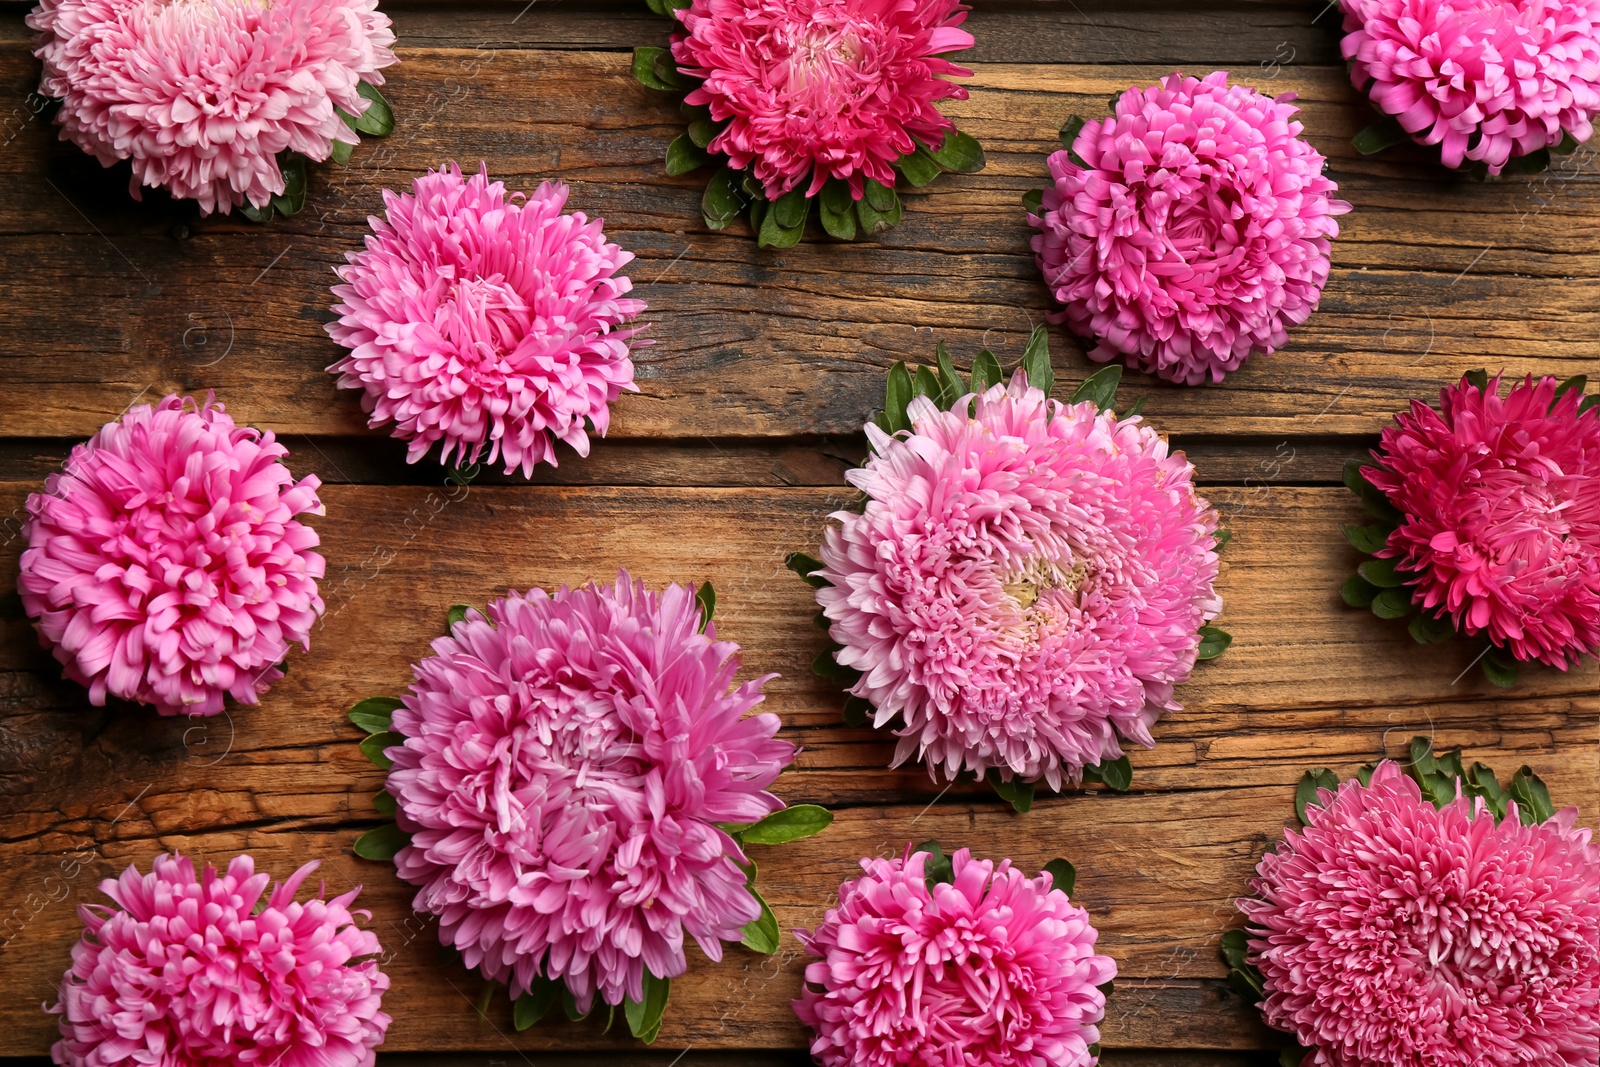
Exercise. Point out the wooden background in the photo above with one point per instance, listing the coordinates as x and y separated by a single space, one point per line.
765 364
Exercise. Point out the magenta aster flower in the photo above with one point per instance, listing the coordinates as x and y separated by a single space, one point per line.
992 969
816 89
1485 80
567 759
1023 586
166 564
1189 230
1392 933
187 972
1500 514
487 322
202 95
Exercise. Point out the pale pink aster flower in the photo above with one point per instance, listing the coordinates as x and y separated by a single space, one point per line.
187 972
1196 232
819 89
491 323
1500 506
1023 586
567 759
1391 933
992 969
166 563
202 95
1485 80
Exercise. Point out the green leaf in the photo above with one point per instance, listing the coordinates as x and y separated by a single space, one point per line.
263 213
825 666
457 613
789 210
721 203
701 131
569 1005
806 567
536 1003
1116 774
1016 792
880 196
1500 668
896 396
1431 629
373 748
1070 130
1533 799
762 934
341 150
1364 773
879 210
960 152
1578 381
952 385
706 597
1235 947
382 843
1422 760
1033 200
1306 792
644 1016
1036 361
1223 537
293 167
1373 498
1368 539
1381 573
384 802
1138 406
1358 592
378 119
918 167
857 712
788 824
1214 641
644 68
985 372
938 868
1063 875
837 209
1392 603
1589 403
1569 144
926 383
1479 378
683 156
1100 388
773 234
374 713
1531 163
1385 133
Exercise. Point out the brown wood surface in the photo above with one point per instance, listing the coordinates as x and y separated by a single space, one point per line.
733 454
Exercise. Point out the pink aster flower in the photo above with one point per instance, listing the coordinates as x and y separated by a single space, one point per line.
202 95
1485 80
1391 933
166 563
487 322
567 759
992 969
1500 501
1195 233
1023 586
817 89
187 972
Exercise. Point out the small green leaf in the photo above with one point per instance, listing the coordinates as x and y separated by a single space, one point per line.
1223 537
644 1016
683 156
1500 668
960 152
384 802
1431 629
378 119
1531 163
1306 792
1100 388
1381 573
1235 947
706 597
340 152
1070 130
1392 603
880 196
926 383
1368 539
1373 498
1063 875
789 210
857 712
1138 406
1214 641
985 372
721 203
1589 404
569 1005
1016 792
896 396
1385 133
1479 378
951 385
1569 144
837 210
457 613
788 824
806 567
1358 592
1532 798
878 210
374 713
773 234
701 131
382 843
1577 382
293 167
1033 200
1364 773
1117 774
1036 361
918 167
373 748
644 68
536 1003
825 666
262 214
762 934
937 868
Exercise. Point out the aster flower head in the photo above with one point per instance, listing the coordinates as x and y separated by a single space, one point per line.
1189 230
1488 518
1026 583
1488 81
166 562
974 966
491 323
1404 926
213 971
202 96
562 765
802 99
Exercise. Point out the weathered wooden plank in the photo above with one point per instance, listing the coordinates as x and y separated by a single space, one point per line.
1434 276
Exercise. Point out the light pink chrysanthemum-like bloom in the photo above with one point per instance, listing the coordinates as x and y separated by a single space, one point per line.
202 95
490 323
1501 506
567 759
1196 234
819 89
1023 586
1391 933
166 563
1485 80
994 969
187 972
